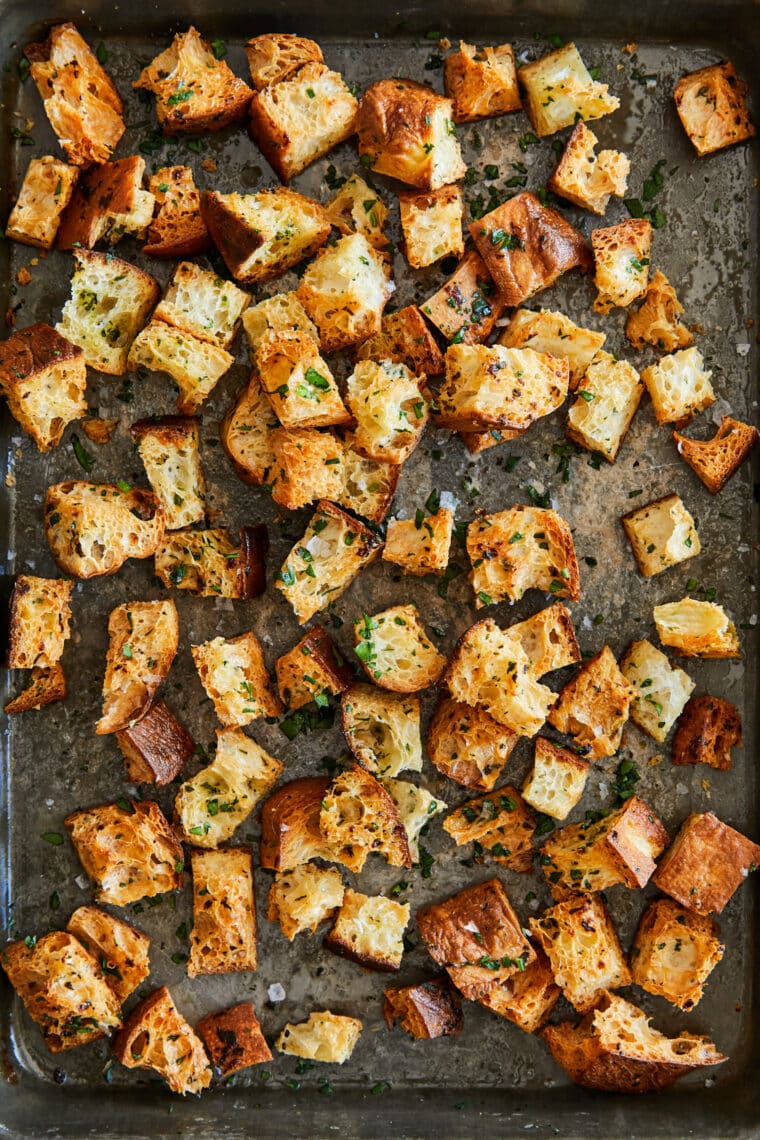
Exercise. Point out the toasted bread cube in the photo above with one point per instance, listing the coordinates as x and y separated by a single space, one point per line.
556 781
500 823
656 320
696 629
579 939
594 706
421 546
554 334
109 304
262 235
235 677
223 937
559 91
108 202
128 852
481 82
661 690
46 687
344 291
521 549
44 195
325 562
679 386
712 105
674 952
209 564
527 247
143 641
527 997
324 1036
198 302
716 460
39 623
233 1039
358 209
706 862
177 230
212 804
63 989
304 897
98 430
467 745
369 929
81 101
489 386
389 410
311 671
195 92
121 949
246 433
587 179
280 313
477 936
297 120
170 450
661 534
307 466
707 731
468 306
406 131
621 261
195 366
156 1036
416 807
404 337
298 382
606 402
382 729
278 56
425 1011
93 528
155 748
358 817
432 225
548 638
614 1049
368 484
619 848
290 832
396 652
43 377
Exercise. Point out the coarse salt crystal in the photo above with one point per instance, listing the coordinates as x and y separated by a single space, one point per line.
276 992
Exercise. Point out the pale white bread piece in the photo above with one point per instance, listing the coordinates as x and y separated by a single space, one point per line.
467 745
170 451
369 929
223 936
557 780
490 386
195 365
588 179
368 484
712 105
156 1036
621 260
679 386
298 383
606 401
39 624
120 948
389 409
548 638
661 534
395 650
382 729
44 195
594 706
416 807
344 290
143 641
559 90
280 313
324 1036
674 952
520 549
235 677
420 545
696 629
553 334
44 379
277 56
199 302
246 433
358 209
431 223
301 899
656 320
358 817
93 528
481 82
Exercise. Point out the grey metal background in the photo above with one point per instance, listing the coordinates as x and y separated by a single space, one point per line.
492 1079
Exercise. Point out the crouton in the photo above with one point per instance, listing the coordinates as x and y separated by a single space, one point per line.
235 677
297 120
93 528
170 450
621 261
304 897
661 534
559 91
368 484
369 929
520 549
594 707
290 832
63 989
500 823
432 225
99 431
223 937
554 334
548 638
156 1036
527 247
177 230
195 92
712 105
246 433
425 1011
556 781
614 1049
209 564
108 202
128 850
656 320
278 56
233 1039
307 465
579 939
489 667
359 817
661 690
311 671
405 338
706 863
466 308
382 729
619 848
406 131
605 404
298 382
716 460
707 731
324 1036
81 102
344 291
46 687
358 209
674 952
467 745
143 641
679 387
43 378
280 313
262 235
477 936
696 629
39 623
212 804
389 410
420 545
119 948
325 562
109 304
489 386
155 748
195 366
44 195
481 82
527 997
395 650
416 807
587 179
199 302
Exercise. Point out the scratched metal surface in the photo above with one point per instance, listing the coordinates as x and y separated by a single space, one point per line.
55 763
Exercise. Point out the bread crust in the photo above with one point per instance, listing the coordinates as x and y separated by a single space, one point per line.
156 747
107 202
177 230
43 377
708 729
656 320
467 745
716 460
233 1039
425 1011
466 308
120 948
358 817
143 642
404 337
156 1036
594 706
311 669
45 688
290 829
481 82
39 623
706 863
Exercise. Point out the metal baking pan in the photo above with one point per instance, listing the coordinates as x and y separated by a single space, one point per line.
492 1080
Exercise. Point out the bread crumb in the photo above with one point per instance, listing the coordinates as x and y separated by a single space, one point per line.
97 430
654 761
444 43
23 276
629 49
10 479
209 164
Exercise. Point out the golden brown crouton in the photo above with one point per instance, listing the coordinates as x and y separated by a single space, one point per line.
155 748
44 195
382 729
489 386
466 308
712 105
594 707
43 377
298 383
344 290
716 460
696 629
368 484
311 671
177 230
656 320
621 259
405 338
199 302
156 1036
556 781
661 534
119 948
467 745
107 203
234 675
674 952
427 1010
358 209
662 690
209 564
233 1039
707 731
587 179
195 366
527 997
280 313
395 651
556 335
389 410
170 450
223 937
416 807
45 688
39 623
560 91
706 863
432 225
500 823
420 545
521 549
302 898
481 82
143 640
324 1036
359 817
290 832
277 56
679 387
369 929
246 433
607 398
548 638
